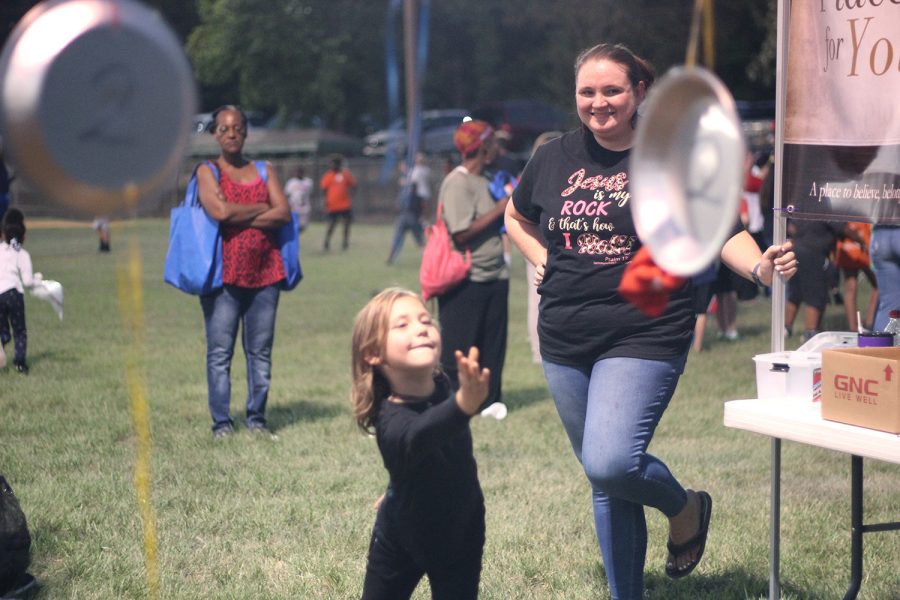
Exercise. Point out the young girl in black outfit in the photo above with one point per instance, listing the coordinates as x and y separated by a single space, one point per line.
431 519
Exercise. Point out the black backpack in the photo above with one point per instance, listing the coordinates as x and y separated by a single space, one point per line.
15 541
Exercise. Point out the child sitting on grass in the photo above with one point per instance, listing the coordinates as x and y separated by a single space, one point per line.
431 518
15 275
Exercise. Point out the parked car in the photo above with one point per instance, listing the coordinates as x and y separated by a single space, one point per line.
523 120
377 144
439 140
203 122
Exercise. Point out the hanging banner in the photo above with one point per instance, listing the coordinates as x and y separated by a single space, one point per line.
842 114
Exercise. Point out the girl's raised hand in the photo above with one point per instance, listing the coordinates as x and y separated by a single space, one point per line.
473 382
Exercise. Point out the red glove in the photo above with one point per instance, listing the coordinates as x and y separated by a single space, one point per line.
646 285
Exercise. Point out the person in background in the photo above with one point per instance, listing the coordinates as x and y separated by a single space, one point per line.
415 191
852 258
101 226
767 204
298 190
813 242
16 274
612 369
249 210
729 287
726 307
701 294
885 251
751 210
337 182
502 173
503 161
475 313
5 181
431 519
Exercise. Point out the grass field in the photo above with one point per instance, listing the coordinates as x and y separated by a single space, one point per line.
290 518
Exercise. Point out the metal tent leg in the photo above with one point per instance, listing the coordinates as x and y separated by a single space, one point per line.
775 523
856 526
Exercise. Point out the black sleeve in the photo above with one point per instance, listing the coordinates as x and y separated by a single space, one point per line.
522 195
416 436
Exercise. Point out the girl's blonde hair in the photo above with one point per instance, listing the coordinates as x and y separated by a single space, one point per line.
370 330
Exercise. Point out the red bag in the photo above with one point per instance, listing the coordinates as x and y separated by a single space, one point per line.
646 285
443 268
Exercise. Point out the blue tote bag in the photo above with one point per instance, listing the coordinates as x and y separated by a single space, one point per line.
288 241
194 258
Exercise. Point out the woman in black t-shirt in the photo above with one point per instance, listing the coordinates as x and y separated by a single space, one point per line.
611 369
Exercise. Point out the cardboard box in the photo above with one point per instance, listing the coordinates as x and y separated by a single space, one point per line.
861 386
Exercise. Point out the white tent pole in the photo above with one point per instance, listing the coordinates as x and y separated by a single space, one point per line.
778 295
779 230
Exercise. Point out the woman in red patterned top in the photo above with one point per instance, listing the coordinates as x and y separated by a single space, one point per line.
249 210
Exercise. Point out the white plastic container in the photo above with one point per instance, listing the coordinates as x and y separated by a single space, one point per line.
797 375
790 375
830 339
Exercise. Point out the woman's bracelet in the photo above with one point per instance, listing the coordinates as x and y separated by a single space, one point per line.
755 275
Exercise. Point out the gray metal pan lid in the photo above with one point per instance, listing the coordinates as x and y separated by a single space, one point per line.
687 170
97 100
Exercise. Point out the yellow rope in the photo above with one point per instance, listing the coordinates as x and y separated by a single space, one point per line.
131 308
709 37
703 15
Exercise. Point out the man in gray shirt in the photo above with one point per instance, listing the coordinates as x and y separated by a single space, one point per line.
475 313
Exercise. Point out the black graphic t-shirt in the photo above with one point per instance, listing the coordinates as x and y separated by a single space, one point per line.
579 194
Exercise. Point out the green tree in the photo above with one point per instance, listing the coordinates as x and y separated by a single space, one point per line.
323 60
314 58
180 14
485 50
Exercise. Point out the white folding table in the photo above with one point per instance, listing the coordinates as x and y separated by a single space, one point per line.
802 422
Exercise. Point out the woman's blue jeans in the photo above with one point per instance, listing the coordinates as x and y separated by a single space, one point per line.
610 410
406 221
223 310
885 252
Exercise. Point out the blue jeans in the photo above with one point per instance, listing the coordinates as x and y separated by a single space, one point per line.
885 252
254 309
610 410
406 221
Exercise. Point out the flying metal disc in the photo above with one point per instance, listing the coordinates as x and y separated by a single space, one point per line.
97 99
687 170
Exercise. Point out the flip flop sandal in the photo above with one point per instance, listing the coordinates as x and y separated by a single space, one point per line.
698 542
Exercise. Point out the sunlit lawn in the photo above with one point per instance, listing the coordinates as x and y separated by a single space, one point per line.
254 518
